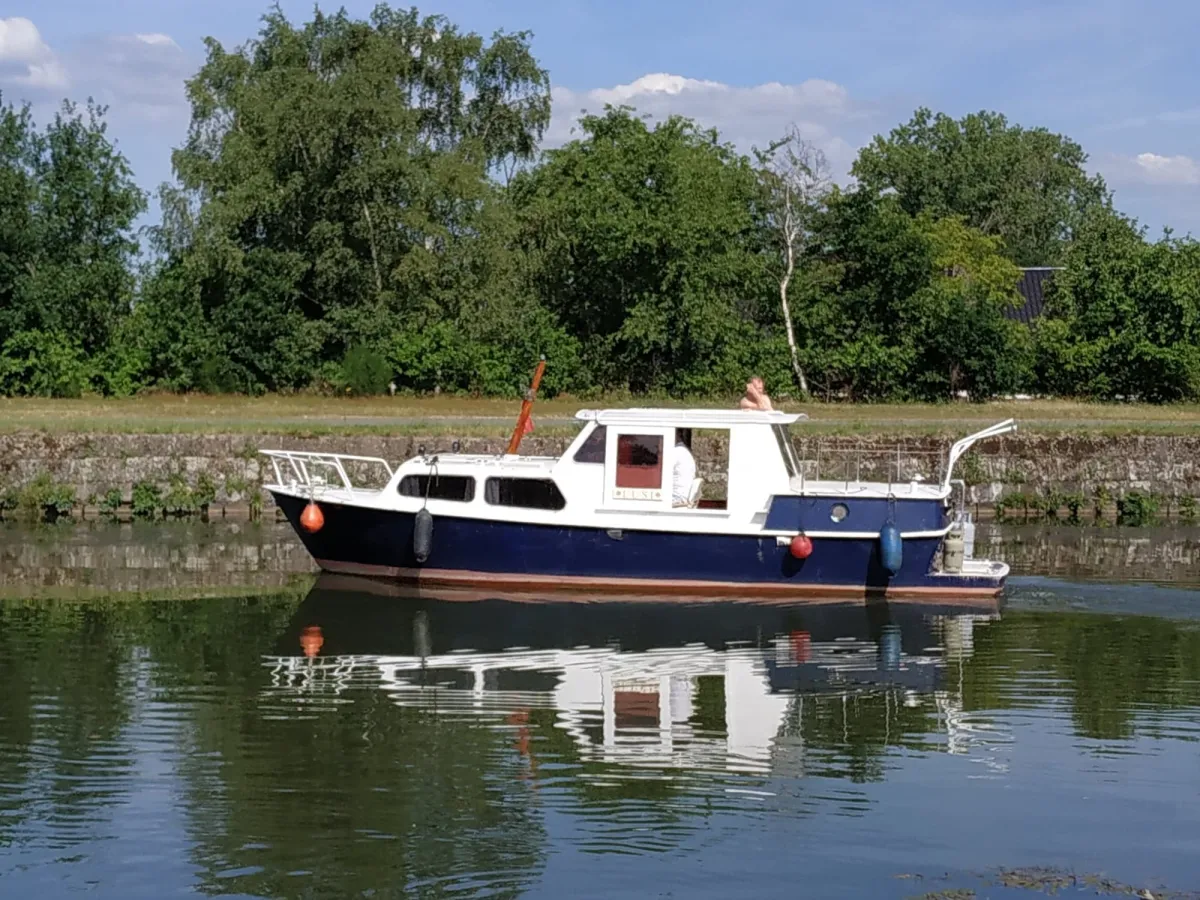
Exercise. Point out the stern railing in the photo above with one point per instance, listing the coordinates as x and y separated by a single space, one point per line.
854 462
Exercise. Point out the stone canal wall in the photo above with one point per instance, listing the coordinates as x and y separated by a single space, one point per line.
1015 472
144 557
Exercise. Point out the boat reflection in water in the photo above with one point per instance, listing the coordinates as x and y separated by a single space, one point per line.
635 681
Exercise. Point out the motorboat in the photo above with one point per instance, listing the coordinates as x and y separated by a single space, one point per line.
602 516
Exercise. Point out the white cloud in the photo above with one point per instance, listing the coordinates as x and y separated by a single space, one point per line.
21 42
156 39
26 59
1152 169
1168 169
658 83
139 76
745 116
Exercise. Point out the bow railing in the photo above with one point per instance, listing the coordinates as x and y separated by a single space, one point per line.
308 469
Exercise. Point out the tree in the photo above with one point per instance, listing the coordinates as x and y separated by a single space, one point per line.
1123 317
333 181
794 177
1026 186
869 260
643 242
909 307
68 204
87 205
967 344
19 152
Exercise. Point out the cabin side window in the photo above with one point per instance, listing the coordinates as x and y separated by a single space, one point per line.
592 450
639 461
526 493
438 487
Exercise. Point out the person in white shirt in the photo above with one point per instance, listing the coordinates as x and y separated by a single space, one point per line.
684 472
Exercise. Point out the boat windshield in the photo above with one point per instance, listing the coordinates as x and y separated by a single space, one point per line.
786 448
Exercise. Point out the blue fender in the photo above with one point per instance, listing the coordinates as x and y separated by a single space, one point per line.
891 548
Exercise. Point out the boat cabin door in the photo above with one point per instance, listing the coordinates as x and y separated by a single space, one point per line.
638 465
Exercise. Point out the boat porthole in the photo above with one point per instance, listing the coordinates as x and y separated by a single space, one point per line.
839 512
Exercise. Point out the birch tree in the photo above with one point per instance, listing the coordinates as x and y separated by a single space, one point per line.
794 176
334 185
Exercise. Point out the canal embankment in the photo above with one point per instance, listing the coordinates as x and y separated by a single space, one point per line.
1073 476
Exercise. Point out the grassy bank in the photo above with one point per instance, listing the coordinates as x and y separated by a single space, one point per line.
299 414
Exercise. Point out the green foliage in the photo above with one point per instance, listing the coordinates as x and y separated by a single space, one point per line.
1028 187
1013 474
69 202
968 344
250 491
45 500
1188 512
909 307
971 469
254 501
1009 503
1137 508
1045 506
147 501
1123 318
43 364
353 199
1074 502
110 503
643 242
1041 506
359 201
444 358
181 500
365 372
120 370
204 492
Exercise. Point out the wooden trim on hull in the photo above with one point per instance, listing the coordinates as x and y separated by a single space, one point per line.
655 590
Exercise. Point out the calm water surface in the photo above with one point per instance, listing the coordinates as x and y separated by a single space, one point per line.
329 738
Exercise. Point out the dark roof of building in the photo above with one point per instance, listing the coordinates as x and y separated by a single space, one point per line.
1032 287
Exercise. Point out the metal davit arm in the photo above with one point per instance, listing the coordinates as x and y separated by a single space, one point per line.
962 446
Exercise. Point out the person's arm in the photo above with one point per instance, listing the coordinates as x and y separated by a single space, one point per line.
752 398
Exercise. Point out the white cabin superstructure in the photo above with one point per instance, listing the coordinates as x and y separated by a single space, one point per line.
597 481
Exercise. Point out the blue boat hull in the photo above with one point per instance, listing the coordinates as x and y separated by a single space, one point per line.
466 551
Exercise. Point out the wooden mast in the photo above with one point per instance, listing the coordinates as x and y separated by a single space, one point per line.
526 408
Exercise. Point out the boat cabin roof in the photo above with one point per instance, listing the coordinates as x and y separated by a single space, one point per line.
688 418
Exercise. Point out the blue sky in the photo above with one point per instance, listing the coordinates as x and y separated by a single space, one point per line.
1119 77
